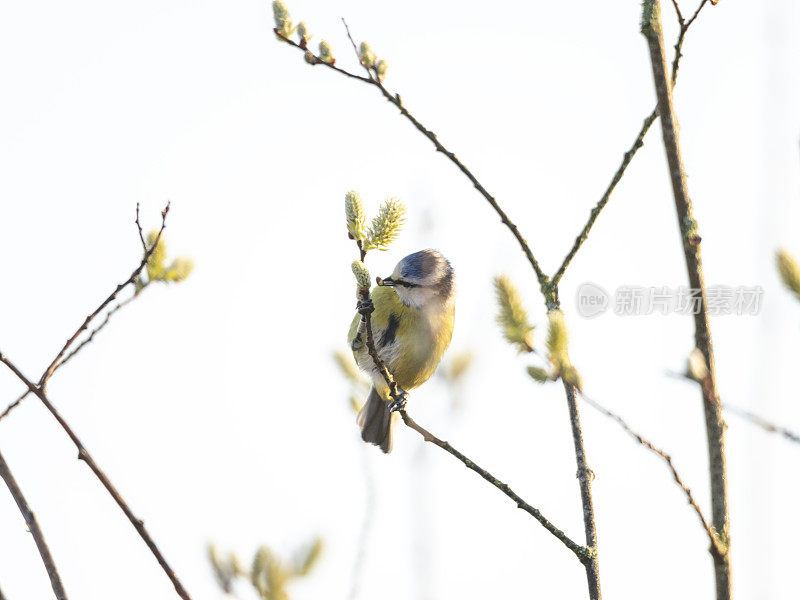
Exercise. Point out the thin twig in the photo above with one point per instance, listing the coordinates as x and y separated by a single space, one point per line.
84 455
715 424
754 419
713 538
51 368
585 477
139 227
628 156
33 527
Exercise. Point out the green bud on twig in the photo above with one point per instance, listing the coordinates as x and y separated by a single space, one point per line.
283 21
354 214
513 318
386 225
362 275
366 55
381 68
302 32
789 271
557 340
538 374
326 52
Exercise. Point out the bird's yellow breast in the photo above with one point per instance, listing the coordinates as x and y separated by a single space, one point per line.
410 340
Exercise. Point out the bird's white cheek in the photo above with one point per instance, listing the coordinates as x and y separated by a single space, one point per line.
416 297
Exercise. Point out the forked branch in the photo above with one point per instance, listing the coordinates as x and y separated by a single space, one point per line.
83 454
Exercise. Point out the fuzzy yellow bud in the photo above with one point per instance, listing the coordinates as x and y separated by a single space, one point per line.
513 318
366 54
354 214
308 557
155 264
538 374
283 21
557 351
362 275
381 68
302 31
326 52
386 225
557 340
789 271
179 270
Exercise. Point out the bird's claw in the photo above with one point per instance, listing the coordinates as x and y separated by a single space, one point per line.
399 403
366 307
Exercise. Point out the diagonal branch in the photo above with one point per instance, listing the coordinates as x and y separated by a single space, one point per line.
84 455
33 527
396 100
628 156
713 538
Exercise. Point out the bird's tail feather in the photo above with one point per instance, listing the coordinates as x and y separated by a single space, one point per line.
375 422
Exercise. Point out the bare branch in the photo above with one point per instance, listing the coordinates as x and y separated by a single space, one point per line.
712 536
84 455
715 424
33 527
139 227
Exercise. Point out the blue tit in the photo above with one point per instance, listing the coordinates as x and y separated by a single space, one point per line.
412 325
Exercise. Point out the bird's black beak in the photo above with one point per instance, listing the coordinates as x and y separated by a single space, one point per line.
387 282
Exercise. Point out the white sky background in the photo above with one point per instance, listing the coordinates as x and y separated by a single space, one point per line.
214 406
